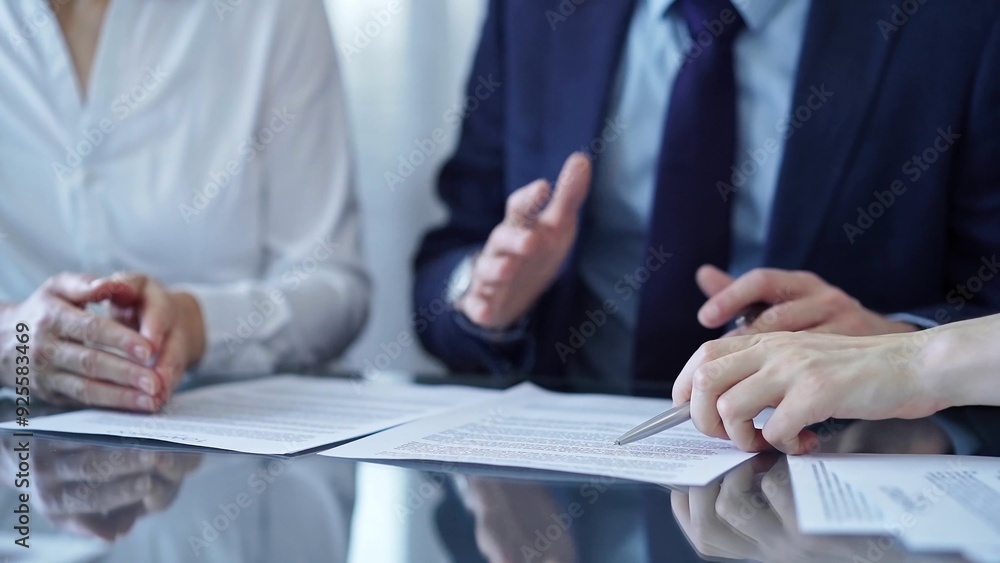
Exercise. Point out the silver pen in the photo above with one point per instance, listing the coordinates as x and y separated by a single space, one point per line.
657 424
681 414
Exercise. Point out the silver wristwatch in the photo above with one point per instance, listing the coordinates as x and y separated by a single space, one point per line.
460 280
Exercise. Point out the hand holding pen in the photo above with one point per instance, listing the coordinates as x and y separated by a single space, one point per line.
682 413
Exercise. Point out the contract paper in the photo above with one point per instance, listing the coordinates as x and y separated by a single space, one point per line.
533 428
931 503
276 415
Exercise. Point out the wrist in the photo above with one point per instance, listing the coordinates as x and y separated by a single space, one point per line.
961 359
192 326
937 368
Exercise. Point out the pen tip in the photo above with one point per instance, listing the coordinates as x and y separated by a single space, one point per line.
618 442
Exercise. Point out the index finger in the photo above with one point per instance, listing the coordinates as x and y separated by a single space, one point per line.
683 385
707 353
154 306
760 285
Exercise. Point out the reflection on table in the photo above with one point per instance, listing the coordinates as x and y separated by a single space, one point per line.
141 504
117 500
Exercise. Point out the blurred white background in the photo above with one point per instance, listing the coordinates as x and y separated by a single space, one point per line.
401 80
404 71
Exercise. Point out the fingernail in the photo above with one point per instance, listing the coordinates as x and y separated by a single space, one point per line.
148 385
145 403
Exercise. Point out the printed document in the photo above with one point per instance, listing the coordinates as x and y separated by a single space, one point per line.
529 427
931 503
275 415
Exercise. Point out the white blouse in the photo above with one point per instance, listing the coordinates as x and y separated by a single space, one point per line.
211 152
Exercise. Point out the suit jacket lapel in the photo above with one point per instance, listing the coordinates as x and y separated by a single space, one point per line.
585 50
844 54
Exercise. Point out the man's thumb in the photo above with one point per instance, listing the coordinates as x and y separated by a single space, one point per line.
571 189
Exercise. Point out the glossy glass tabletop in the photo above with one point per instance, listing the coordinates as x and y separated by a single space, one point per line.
112 499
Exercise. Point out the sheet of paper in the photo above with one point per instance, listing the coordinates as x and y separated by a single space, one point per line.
534 428
931 503
276 415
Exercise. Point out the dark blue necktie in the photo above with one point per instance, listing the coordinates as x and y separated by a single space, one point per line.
691 215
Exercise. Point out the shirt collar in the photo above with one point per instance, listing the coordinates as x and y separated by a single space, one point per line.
756 13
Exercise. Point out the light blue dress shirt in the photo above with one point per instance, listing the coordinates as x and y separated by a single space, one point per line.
613 243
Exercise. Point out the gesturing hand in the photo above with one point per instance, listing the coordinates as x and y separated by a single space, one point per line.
799 301
75 355
524 253
808 378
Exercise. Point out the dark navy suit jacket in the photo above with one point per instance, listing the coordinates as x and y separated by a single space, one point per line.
924 230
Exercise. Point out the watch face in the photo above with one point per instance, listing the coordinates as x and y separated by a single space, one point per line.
460 281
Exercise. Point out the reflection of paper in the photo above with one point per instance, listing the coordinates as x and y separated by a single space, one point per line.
932 503
530 427
276 415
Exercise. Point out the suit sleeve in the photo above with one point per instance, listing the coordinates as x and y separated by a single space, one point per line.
981 422
974 230
472 187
